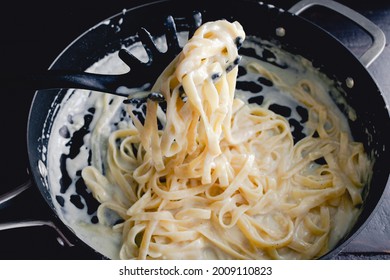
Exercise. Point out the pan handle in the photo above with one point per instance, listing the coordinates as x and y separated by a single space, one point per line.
376 34
62 240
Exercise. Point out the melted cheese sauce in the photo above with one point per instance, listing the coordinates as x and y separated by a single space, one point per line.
78 129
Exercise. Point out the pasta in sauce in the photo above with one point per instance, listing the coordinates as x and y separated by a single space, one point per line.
212 176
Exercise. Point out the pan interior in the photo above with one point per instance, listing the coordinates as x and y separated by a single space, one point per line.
70 151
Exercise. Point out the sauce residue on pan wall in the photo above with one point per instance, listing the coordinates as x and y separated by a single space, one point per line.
77 118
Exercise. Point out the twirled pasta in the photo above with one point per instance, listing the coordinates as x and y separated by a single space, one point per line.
222 178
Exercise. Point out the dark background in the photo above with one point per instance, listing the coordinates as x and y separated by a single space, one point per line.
33 34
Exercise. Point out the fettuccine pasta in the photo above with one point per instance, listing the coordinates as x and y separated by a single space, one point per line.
212 176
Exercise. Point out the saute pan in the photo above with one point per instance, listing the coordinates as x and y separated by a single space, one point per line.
290 31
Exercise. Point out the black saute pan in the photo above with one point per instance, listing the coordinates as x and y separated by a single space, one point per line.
292 32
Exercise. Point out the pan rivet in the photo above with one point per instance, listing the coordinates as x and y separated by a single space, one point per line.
60 241
280 31
349 82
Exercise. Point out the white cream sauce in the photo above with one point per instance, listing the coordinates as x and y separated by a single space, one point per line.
71 119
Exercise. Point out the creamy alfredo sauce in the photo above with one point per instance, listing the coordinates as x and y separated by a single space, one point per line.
70 144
